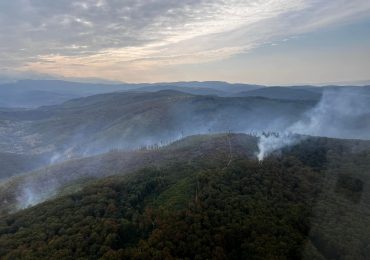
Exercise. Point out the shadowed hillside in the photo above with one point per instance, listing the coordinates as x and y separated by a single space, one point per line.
284 93
35 187
204 197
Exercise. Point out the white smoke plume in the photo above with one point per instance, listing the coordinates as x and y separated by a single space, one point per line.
31 194
339 114
270 142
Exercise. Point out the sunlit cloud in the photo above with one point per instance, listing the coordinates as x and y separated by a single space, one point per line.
103 38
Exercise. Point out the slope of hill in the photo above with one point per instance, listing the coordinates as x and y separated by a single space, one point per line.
129 120
362 90
283 93
34 187
311 201
189 90
13 164
216 85
32 98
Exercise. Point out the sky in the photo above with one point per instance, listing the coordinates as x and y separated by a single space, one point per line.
271 42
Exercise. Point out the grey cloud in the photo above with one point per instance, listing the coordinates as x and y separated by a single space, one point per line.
32 29
50 26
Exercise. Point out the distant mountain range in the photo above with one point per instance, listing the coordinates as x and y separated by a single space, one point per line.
285 93
35 93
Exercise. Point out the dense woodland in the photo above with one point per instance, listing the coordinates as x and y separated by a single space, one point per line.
310 201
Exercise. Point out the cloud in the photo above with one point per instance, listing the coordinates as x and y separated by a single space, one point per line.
86 37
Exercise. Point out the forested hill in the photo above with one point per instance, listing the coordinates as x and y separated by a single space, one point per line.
97 124
210 207
34 187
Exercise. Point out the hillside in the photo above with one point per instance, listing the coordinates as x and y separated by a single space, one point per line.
132 120
37 186
129 120
284 93
198 204
13 164
186 89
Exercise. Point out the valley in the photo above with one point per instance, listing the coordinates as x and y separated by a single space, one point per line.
233 176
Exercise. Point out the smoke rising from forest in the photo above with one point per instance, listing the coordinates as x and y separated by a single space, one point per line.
276 124
339 114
